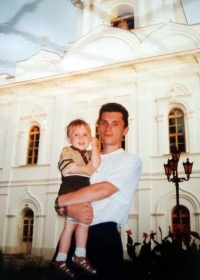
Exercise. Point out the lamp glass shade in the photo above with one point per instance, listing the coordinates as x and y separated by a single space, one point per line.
173 164
167 168
187 167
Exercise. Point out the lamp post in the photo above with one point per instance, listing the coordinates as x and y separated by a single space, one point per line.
171 168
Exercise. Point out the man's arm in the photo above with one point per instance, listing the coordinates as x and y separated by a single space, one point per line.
91 193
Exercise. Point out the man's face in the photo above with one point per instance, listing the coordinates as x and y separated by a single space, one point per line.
111 129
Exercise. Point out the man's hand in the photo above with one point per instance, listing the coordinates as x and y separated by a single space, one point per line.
81 212
61 211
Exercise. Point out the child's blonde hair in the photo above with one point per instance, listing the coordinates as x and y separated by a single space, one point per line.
75 123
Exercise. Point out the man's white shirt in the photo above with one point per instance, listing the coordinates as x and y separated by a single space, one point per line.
122 170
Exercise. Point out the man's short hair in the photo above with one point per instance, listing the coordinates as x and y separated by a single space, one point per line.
115 107
75 123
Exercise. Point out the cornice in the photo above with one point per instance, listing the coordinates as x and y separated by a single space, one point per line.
123 74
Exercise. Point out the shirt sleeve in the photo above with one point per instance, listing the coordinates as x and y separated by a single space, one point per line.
66 161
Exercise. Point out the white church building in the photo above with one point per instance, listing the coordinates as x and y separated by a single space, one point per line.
139 53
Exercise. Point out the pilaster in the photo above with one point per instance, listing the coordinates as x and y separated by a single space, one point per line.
86 17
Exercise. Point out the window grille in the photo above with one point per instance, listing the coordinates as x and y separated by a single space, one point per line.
177 130
184 218
33 145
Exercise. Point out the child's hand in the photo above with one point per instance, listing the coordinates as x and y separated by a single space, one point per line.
90 169
95 142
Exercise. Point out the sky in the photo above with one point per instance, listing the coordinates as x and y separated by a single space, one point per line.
27 26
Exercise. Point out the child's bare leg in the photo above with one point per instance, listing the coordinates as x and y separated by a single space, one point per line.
79 257
81 235
65 240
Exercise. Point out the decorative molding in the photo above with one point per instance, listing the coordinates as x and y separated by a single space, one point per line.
133 216
157 214
189 114
21 134
95 81
56 192
99 102
40 216
160 118
173 95
80 105
123 98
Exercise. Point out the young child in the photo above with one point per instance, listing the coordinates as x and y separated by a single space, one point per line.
76 166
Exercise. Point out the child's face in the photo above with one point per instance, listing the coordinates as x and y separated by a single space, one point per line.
80 137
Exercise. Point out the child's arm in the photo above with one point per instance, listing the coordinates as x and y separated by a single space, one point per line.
66 165
88 169
94 163
95 158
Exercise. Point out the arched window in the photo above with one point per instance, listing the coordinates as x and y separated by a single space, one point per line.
123 16
177 130
123 143
184 218
33 145
124 21
27 235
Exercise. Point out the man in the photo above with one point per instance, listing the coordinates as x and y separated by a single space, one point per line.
111 193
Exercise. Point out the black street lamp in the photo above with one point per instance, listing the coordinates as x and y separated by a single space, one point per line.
171 168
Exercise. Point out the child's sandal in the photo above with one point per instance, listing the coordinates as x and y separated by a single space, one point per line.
84 263
63 267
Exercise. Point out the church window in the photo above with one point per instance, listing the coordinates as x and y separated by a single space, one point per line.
27 231
28 226
177 130
33 145
184 218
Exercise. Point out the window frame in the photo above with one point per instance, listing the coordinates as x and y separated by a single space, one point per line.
183 217
177 125
33 145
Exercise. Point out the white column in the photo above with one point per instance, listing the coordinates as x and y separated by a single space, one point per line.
168 11
155 9
9 236
86 17
9 142
141 15
144 209
131 137
4 207
160 134
50 227
21 151
96 13
191 139
79 9
41 147
38 237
